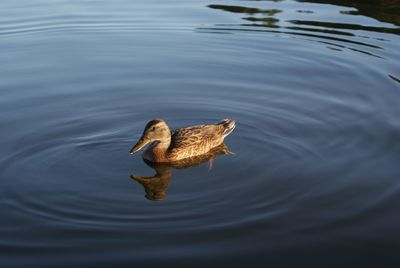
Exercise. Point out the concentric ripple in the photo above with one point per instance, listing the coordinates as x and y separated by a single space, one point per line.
314 89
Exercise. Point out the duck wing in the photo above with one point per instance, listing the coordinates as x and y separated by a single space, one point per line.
195 140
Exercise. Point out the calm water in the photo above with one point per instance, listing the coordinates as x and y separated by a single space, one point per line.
314 88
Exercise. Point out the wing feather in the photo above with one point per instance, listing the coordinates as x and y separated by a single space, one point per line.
195 140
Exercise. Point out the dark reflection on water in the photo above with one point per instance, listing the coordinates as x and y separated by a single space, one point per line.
383 10
156 186
394 78
248 10
268 19
313 86
346 26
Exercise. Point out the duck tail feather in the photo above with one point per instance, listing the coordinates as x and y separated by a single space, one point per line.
229 125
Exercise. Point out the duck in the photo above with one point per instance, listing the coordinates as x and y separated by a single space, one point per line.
167 146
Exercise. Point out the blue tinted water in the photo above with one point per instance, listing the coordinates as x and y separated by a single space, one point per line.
314 88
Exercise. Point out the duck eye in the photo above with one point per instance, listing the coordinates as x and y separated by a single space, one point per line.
153 128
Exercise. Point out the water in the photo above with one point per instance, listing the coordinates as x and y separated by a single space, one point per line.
314 87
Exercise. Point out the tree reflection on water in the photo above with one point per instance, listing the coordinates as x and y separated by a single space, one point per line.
385 11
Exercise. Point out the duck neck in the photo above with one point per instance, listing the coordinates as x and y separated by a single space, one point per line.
163 145
160 149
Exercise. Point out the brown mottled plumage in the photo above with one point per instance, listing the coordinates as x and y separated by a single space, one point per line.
167 146
156 186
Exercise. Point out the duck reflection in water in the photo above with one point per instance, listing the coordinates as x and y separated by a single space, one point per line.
156 186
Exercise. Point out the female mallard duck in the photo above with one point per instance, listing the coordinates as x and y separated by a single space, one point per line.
167 146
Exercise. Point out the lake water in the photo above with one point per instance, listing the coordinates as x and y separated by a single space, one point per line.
313 86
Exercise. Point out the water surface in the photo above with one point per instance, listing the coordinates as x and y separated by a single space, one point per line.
313 85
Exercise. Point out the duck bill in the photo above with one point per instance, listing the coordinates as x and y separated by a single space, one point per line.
143 141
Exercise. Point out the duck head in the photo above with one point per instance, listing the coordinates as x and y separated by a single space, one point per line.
155 131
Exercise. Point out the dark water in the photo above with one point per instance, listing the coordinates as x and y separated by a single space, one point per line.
314 87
